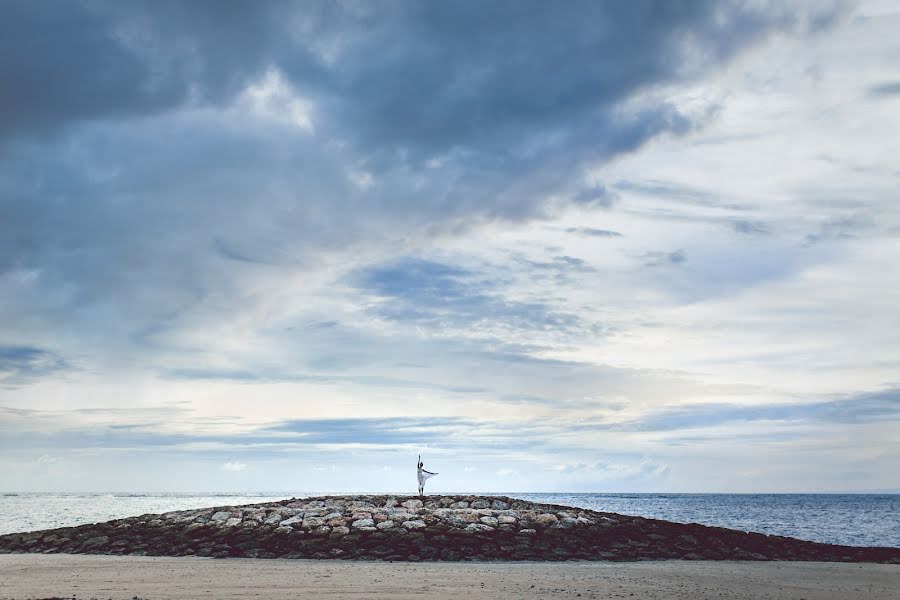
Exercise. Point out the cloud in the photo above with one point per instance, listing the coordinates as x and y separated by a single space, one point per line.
234 466
20 364
590 231
864 407
882 90
443 297
605 470
331 233
657 258
750 228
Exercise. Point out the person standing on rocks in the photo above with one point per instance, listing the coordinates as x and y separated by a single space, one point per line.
423 475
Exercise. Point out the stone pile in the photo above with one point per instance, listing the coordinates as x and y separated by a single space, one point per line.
433 528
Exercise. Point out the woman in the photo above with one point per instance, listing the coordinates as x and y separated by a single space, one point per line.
423 475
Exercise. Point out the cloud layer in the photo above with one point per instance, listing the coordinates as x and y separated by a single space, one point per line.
616 244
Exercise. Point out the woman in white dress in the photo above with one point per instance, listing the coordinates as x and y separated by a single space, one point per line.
422 475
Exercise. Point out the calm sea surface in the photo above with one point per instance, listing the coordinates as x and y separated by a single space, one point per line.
853 519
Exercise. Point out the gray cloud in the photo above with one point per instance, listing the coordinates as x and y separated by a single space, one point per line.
658 258
20 364
882 90
750 228
443 296
145 428
590 231
859 408
128 200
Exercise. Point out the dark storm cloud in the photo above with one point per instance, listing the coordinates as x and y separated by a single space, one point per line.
435 75
397 74
130 197
64 62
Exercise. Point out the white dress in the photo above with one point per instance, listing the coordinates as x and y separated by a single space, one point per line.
423 476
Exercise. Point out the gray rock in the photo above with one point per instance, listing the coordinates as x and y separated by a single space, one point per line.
333 515
492 521
567 523
469 516
221 516
416 524
339 531
312 522
527 531
412 504
480 504
460 504
385 525
361 523
545 519
95 542
232 522
499 505
478 527
507 520
257 515
288 522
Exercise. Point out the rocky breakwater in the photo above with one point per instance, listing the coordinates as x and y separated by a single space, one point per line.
433 528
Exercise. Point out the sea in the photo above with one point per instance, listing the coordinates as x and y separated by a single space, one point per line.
850 519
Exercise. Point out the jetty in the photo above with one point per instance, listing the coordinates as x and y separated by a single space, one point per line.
410 528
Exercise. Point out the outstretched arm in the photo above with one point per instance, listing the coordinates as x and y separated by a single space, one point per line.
429 472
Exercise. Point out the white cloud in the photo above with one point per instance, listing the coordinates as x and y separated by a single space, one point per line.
234 466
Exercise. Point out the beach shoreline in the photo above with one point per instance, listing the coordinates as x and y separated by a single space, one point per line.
160 578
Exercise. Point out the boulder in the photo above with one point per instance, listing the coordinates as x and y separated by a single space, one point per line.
545 519
287 522
361 523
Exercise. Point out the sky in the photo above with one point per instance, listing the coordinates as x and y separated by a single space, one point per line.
586 247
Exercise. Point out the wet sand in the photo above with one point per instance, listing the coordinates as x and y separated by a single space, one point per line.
158 578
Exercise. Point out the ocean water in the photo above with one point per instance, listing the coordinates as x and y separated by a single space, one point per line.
851 519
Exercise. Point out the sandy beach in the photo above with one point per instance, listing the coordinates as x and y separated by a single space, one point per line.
158 578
